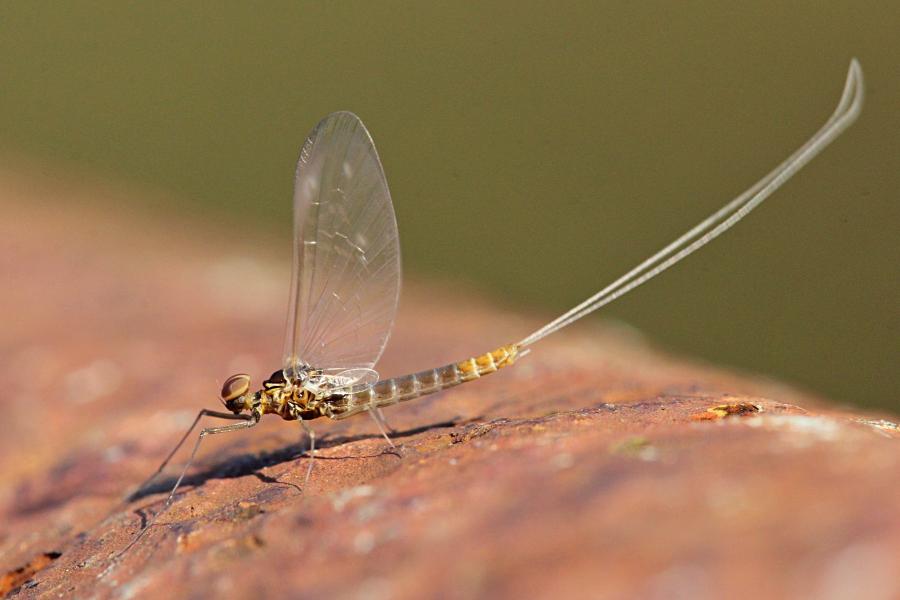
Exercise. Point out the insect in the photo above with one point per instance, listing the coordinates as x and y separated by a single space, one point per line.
345 285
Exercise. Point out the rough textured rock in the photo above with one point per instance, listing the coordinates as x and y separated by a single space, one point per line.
596 467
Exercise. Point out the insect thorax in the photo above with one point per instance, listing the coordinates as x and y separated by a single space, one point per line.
291 400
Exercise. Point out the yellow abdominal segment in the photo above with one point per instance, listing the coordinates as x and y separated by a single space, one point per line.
407 387
487 363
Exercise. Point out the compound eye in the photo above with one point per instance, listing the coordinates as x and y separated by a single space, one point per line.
235 387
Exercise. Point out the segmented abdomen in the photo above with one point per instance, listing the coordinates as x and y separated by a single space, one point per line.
407 387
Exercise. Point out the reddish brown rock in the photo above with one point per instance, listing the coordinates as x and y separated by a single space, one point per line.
596 467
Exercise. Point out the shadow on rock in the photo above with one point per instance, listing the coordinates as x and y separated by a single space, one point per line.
251 463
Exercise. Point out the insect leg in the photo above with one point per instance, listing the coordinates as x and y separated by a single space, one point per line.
379 419
253 420
384 420
202 413
311 434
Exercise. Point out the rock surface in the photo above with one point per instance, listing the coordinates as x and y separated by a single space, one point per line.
596 467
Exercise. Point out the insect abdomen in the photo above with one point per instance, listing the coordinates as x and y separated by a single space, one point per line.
400 389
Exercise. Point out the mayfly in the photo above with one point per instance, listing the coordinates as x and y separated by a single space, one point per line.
345 285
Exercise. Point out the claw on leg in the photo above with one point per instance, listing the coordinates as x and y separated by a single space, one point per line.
383 426
246 423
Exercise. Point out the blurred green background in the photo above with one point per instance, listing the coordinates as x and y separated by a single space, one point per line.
537 149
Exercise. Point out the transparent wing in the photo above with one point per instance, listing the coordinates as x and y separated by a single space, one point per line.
345 282
352 377
344 381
